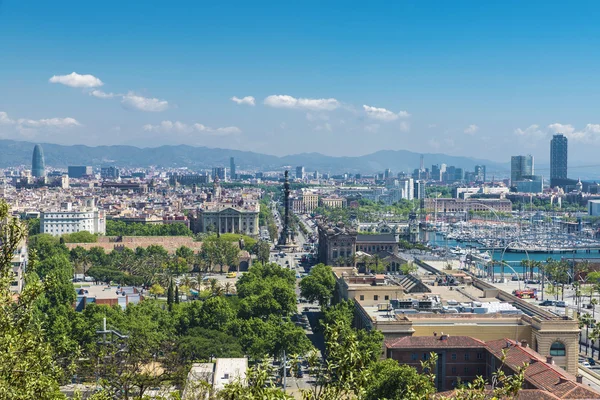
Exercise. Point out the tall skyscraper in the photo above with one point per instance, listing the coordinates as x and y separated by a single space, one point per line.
232 172
38 165
520 166
558 157
109 172
219 172
480 173
300 172
436 172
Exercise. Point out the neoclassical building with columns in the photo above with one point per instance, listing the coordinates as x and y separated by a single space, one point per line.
222 217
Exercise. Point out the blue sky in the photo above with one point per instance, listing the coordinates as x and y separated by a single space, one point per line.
487 79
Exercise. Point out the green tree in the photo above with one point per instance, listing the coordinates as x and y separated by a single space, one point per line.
200 344
80 237
263 251
408 268
33 225
318 285
27 366
157 290
216 313
170 294
389 380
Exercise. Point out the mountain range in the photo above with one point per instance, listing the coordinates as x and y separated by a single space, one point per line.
15 153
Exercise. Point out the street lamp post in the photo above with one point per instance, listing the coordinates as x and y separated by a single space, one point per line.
505 263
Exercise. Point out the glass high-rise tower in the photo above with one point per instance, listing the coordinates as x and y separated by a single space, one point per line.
520 167
558 157
38 165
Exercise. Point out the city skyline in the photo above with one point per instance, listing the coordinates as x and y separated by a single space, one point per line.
229 82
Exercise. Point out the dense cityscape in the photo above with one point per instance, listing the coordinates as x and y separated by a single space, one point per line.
218 282
299 200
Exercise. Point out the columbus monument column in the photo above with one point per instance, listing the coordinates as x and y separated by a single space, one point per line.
286 238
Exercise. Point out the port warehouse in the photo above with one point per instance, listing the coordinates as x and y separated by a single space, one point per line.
375 298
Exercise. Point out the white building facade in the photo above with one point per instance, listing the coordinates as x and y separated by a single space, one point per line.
57 223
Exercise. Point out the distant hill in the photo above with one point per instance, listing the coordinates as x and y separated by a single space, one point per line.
14 153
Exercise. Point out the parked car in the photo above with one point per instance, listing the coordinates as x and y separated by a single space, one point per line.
585 364
562 304
591 361
547 303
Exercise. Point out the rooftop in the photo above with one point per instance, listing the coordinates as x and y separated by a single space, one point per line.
435 342
379 238
540 373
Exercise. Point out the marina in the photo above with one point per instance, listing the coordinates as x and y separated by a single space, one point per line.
500 247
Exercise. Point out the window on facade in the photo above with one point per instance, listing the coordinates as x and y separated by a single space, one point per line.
425 356
414 356
557 349
480 356
375 297
466 370
454 370
466 356
387 297
362 296
453 356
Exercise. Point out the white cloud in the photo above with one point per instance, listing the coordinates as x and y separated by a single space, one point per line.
285 101
180 127
471 129
560 128
532 132
249 100
133 101
48 122
383 114
102 95
29 127
4 119
76 80
589 134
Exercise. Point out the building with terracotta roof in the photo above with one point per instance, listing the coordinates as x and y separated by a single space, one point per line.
474 308
460 358
541 372
463 358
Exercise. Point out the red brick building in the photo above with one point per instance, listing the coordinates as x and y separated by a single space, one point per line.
460 358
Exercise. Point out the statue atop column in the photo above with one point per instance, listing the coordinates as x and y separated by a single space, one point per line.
286 238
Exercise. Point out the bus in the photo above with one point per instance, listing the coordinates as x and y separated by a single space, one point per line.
526 294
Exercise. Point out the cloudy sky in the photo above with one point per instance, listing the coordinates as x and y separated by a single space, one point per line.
463 78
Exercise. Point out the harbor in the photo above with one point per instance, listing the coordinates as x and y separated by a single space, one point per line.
499 248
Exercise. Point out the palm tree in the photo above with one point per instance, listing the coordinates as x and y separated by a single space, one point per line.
594 335
213 284
585 320
527 265
352 259
228 288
